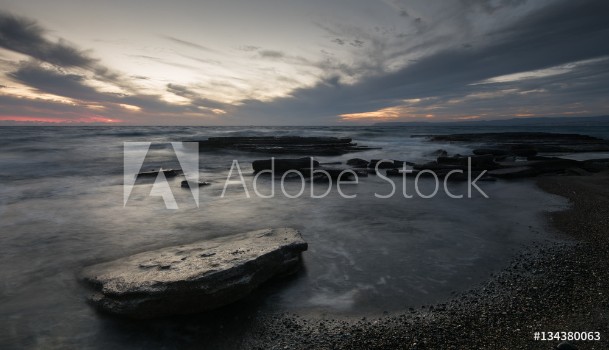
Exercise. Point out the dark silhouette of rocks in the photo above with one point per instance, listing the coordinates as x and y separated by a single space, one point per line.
529 143
285 145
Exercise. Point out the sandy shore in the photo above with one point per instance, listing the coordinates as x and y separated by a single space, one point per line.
558 287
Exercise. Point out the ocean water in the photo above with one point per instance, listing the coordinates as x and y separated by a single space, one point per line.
61 208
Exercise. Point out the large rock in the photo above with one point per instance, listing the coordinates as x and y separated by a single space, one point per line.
194 277
358 163
285 145
491 151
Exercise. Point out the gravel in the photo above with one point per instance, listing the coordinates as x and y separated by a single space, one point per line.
550 287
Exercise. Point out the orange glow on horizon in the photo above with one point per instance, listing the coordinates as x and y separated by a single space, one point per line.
389 113
468 117
51 120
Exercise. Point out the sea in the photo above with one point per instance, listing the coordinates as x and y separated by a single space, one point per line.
63 207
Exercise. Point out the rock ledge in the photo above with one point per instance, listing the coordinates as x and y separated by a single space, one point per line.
194 277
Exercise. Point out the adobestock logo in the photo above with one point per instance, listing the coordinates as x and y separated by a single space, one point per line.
135 153
296 174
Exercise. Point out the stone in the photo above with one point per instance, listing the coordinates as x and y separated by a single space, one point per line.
523 150
155 173
194 277
358 163
491 151
566 346
285 145
439 153
186 184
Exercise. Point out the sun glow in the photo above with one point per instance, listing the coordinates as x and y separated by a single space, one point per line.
53 120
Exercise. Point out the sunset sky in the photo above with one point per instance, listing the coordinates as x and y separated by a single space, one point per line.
287 62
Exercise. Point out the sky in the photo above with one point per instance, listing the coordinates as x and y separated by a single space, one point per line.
288 62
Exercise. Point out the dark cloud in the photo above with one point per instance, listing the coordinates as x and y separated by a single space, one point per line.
54 82
27 37
564 32
271 54
74 86
357 43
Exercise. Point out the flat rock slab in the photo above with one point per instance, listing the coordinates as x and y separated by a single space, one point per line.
194 277
285 145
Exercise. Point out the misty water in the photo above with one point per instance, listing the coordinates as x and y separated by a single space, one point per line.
61 208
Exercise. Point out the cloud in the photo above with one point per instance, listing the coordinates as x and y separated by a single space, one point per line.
54 82
27 37
561 33
271 54
195 97
188 43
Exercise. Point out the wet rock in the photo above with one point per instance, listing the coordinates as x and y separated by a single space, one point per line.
523 150
194 277
435 166
491 151
596 165
566 346
285 145
283 165
439 153
362 172
358 162
187 184
155 173
478 162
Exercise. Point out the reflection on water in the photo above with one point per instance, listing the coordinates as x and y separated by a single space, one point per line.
61 208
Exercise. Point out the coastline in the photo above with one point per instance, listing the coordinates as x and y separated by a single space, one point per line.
551 287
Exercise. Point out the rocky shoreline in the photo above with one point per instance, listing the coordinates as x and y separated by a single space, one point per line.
551 287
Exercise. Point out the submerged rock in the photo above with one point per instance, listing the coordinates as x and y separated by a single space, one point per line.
194 277
439 153
155 173
358 163
491 151
187 184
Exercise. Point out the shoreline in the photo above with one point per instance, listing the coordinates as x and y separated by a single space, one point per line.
551 287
